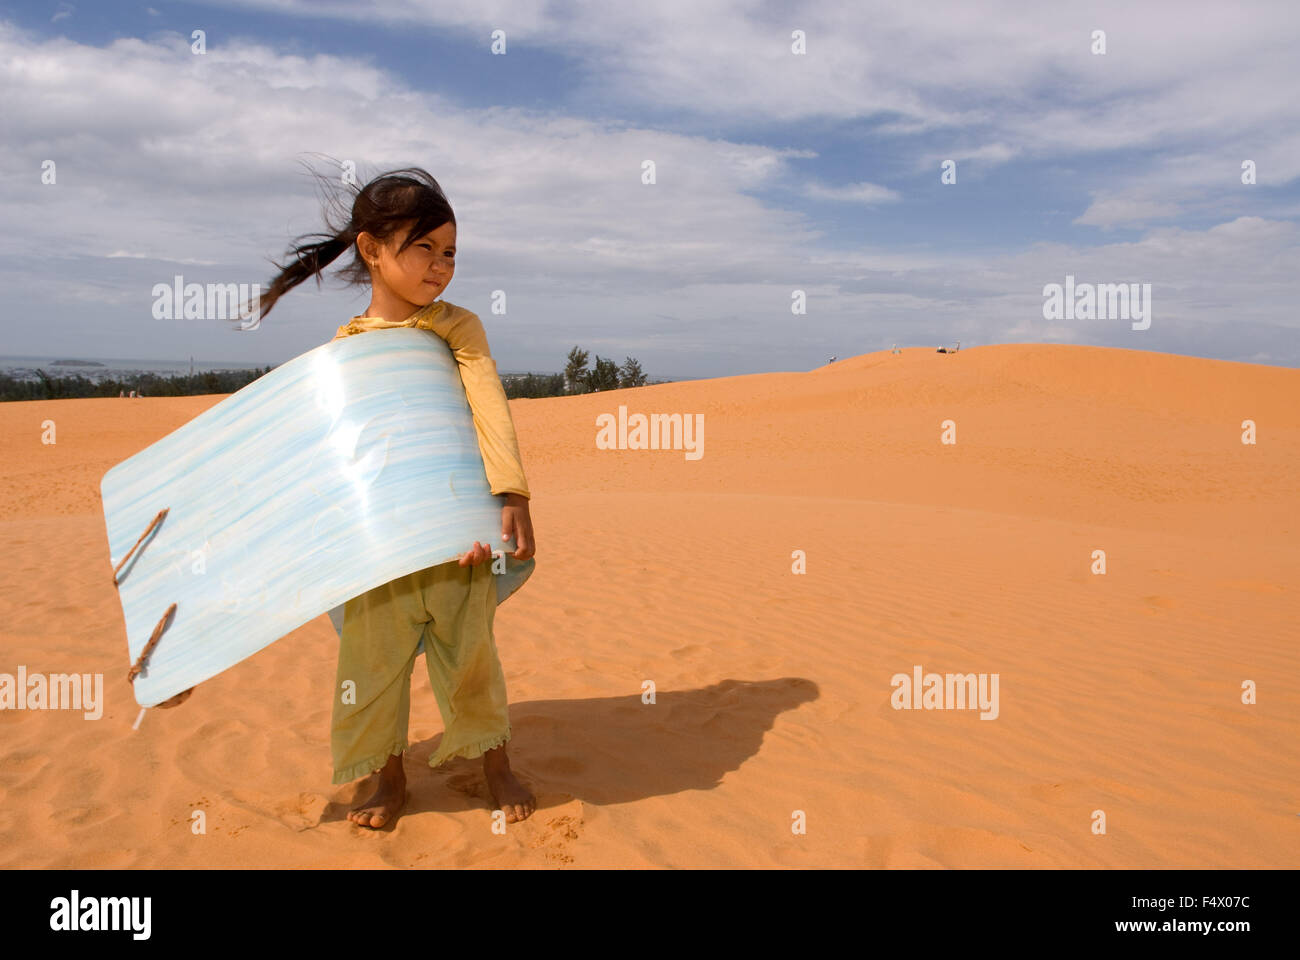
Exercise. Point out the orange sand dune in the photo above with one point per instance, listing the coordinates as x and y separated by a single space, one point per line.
1119 693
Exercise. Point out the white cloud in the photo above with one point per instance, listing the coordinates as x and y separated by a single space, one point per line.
864 193
1197 87
151 256
167 156
1108 210
1174 70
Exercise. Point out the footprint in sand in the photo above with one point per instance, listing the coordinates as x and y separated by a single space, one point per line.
689 653
301 812
20 768
84 816
470 784
558 830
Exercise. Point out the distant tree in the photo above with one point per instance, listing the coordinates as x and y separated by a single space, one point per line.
604 376
147 384
576 377
631 374
533 385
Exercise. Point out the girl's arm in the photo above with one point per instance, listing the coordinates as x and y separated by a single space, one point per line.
497 442
464 333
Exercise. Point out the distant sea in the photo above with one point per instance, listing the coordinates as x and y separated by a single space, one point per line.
98 368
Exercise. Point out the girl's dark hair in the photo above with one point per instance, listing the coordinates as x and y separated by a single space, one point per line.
380 208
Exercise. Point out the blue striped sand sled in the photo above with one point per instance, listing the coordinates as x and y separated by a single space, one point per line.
349 466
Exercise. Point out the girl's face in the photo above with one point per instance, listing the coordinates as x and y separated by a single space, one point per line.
421 272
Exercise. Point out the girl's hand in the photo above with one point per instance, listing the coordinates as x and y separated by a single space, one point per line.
476 556
516 522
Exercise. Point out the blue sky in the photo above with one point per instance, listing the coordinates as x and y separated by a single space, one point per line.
775 171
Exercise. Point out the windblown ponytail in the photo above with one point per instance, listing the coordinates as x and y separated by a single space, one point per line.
386 204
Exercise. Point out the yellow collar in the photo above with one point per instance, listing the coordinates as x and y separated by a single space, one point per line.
422 318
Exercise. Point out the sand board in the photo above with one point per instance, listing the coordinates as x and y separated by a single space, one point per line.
347 467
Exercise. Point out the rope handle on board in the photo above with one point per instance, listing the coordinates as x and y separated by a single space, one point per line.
138 666
156 520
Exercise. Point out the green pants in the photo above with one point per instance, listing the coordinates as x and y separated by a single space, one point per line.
447 609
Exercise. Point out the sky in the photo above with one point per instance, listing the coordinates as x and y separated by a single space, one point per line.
795 147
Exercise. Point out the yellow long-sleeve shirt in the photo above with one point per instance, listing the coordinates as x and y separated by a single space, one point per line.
464 333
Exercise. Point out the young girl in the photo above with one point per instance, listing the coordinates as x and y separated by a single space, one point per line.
402 232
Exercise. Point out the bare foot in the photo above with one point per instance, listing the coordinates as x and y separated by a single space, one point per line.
508 794
388 798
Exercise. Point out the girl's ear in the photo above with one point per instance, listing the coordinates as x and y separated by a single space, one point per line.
369 248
